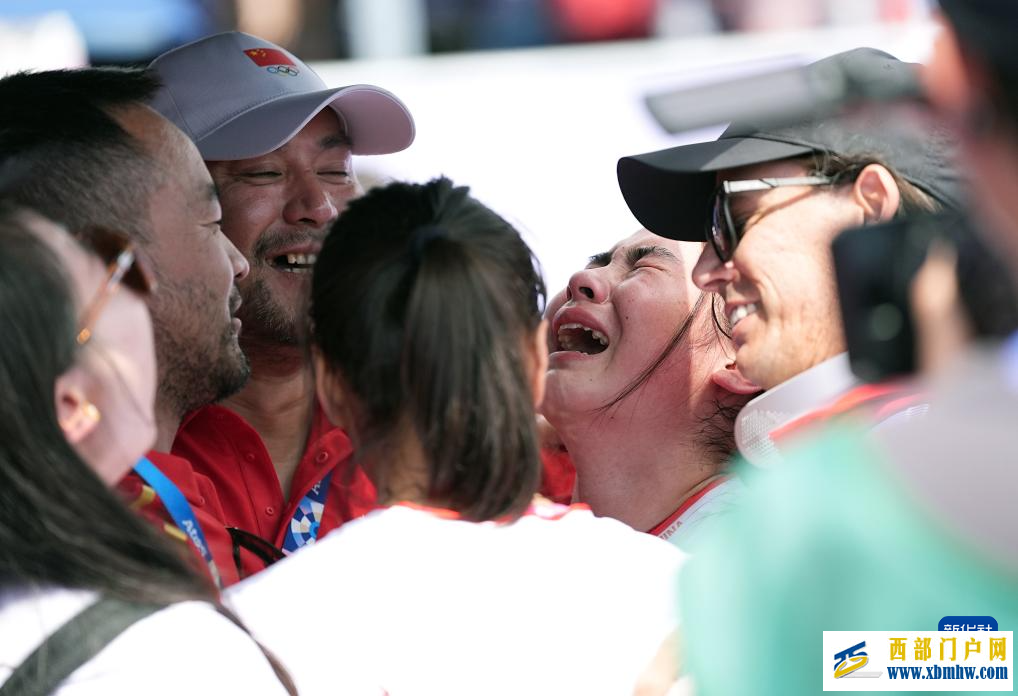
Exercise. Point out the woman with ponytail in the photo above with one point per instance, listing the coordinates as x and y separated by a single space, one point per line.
430 351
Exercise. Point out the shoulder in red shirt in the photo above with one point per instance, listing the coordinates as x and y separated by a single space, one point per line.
200 494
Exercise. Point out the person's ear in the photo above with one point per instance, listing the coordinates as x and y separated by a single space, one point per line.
537 361
78 417
332 393
877 193
731 380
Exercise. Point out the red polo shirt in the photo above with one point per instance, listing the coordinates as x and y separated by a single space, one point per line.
201 494
226 449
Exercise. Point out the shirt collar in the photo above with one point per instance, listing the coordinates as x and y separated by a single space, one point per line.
792 398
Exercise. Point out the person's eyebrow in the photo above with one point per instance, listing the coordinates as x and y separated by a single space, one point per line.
634 254
335 140
601 260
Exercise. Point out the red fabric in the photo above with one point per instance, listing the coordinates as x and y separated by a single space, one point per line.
223 447
201 494
268 56
559 475
597 20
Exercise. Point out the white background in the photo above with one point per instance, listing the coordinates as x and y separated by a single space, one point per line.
537 133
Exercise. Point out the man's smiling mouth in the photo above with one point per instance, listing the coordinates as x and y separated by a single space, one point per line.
294 263
740 313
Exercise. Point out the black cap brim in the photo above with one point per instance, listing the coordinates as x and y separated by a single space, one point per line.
668 191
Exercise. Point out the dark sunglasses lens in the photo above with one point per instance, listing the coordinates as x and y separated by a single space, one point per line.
719 233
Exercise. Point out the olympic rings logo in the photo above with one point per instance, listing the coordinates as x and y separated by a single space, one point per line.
283 70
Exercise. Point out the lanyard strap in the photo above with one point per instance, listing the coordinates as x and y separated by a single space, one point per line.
180 510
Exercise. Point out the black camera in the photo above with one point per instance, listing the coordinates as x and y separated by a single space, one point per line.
875 266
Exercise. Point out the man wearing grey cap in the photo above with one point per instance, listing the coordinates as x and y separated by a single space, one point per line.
768 201
279 145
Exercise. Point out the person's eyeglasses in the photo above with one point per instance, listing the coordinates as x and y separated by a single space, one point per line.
722 232
123 266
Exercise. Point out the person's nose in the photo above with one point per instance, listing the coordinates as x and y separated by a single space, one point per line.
588 285
710 273
238 263
310 204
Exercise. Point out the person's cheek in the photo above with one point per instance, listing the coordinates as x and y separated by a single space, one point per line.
553 306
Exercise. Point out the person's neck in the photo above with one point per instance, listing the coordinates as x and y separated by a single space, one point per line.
278 402
168 419
636 470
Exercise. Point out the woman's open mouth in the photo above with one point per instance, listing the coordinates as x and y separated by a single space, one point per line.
582 339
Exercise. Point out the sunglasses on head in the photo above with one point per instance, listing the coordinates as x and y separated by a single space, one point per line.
123 267
722 231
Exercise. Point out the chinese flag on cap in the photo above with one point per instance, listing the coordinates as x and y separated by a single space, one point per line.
268 56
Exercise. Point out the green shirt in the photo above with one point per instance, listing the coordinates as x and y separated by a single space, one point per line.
831 541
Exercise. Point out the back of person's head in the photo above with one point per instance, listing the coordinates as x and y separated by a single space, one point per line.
985 30
60 139
426 306
59 523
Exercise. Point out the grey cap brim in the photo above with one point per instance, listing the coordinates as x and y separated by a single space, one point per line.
669 191
377 122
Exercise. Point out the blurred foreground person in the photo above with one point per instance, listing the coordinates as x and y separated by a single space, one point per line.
972 79
638 389
92 600
430 351
769 200
885 531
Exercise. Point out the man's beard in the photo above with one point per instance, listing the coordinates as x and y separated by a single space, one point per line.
266 321
198 364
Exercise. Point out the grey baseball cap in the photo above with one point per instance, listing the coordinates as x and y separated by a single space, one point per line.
669 191
237 96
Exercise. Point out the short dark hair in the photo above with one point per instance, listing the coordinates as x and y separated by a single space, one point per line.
423 302
845 168
59 524
63 153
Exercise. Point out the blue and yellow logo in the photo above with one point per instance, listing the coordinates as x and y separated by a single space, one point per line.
849 660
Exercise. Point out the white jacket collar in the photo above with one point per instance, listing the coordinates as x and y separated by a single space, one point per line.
789 400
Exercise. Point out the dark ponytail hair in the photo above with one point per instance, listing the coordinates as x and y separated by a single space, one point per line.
59 524
424 302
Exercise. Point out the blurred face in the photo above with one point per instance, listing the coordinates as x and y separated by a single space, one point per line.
277 209
614 320
957 85
116 368
779 287
196 264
